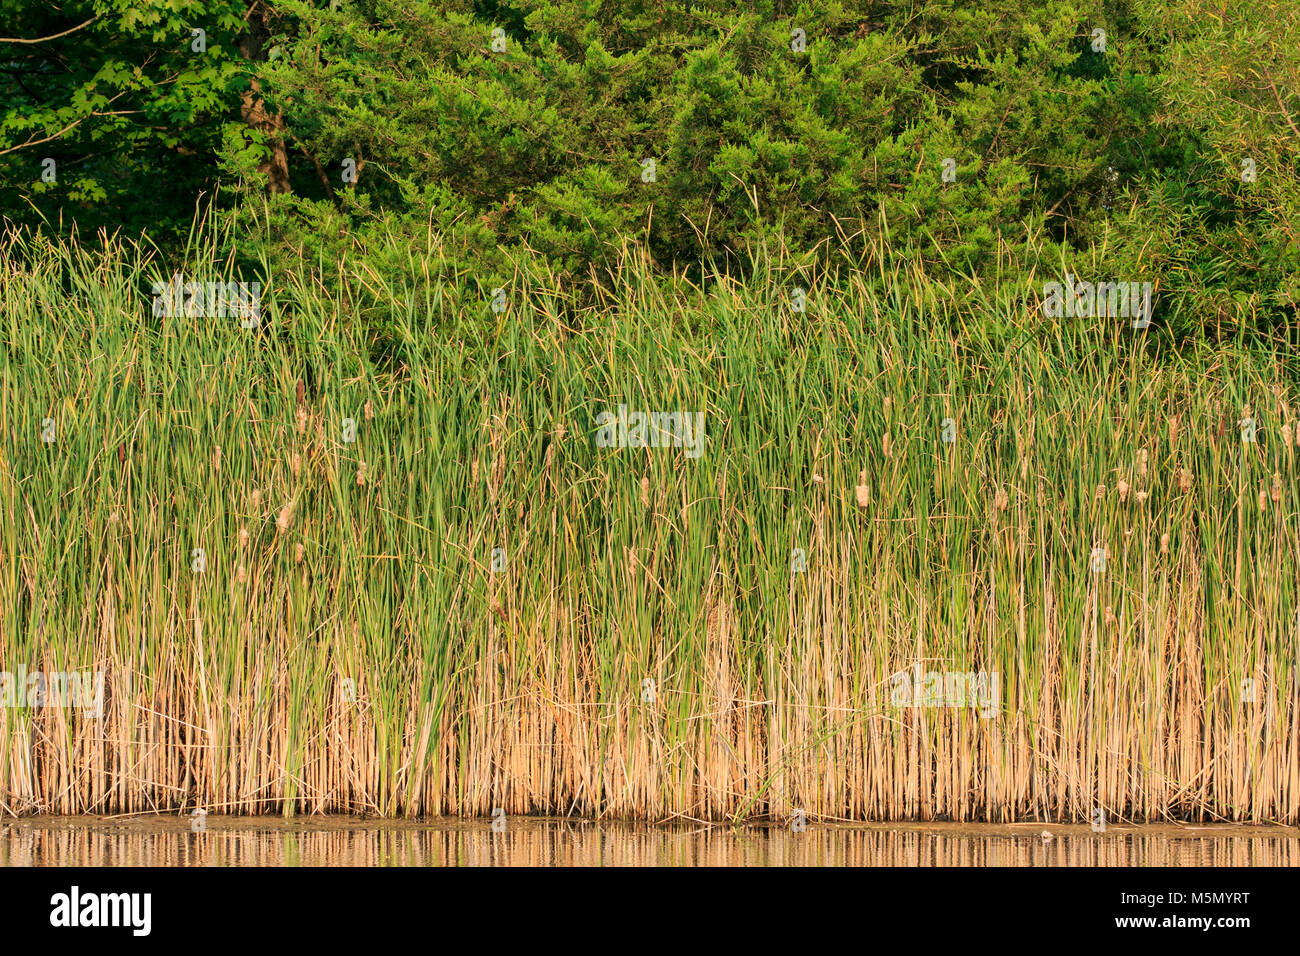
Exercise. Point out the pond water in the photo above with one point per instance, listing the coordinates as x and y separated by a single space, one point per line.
534 841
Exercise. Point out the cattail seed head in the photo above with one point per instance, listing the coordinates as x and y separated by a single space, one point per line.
242 574
243 537
1122 488
361 473
1001 500
1101 492
1110 616
295 464
301 419
1276 492
887 445
1173 431
1286 434
216 458
1263 496
1164 543
285 518
1141 497
863 491
257 498
298 553
1142 463
498 473
369 410
645 491
1185 480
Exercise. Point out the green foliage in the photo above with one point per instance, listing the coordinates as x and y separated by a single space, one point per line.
117 97
1118 160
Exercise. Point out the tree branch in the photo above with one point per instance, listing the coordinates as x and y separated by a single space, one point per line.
49 38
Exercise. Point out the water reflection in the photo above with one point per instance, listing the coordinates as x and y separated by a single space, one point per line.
334 841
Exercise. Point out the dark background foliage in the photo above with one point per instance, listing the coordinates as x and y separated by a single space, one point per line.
1124 162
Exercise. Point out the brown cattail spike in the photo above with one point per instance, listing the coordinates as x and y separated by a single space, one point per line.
863 491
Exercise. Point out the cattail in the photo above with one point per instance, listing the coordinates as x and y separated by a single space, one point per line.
361 473
886 445
818 479
300 391
286 517
473 471
243 537
1276 491
1101 492
1141 498
1164 543
295 464
889 404
301 416
1142 463
257 498
298 553
1173 431
369 410
1185 480
645 491
498 472
1263 496
1110 616
216 459
1122 488
863 491
242 575
1001 500
1286 434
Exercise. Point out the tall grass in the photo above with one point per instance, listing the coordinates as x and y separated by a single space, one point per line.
330 562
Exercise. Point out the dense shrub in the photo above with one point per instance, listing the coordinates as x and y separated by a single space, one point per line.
1119 157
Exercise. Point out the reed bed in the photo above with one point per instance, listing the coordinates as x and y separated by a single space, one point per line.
352 646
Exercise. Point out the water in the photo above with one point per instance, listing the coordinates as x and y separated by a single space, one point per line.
346 841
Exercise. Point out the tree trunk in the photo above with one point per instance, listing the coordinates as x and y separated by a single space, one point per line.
253 107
